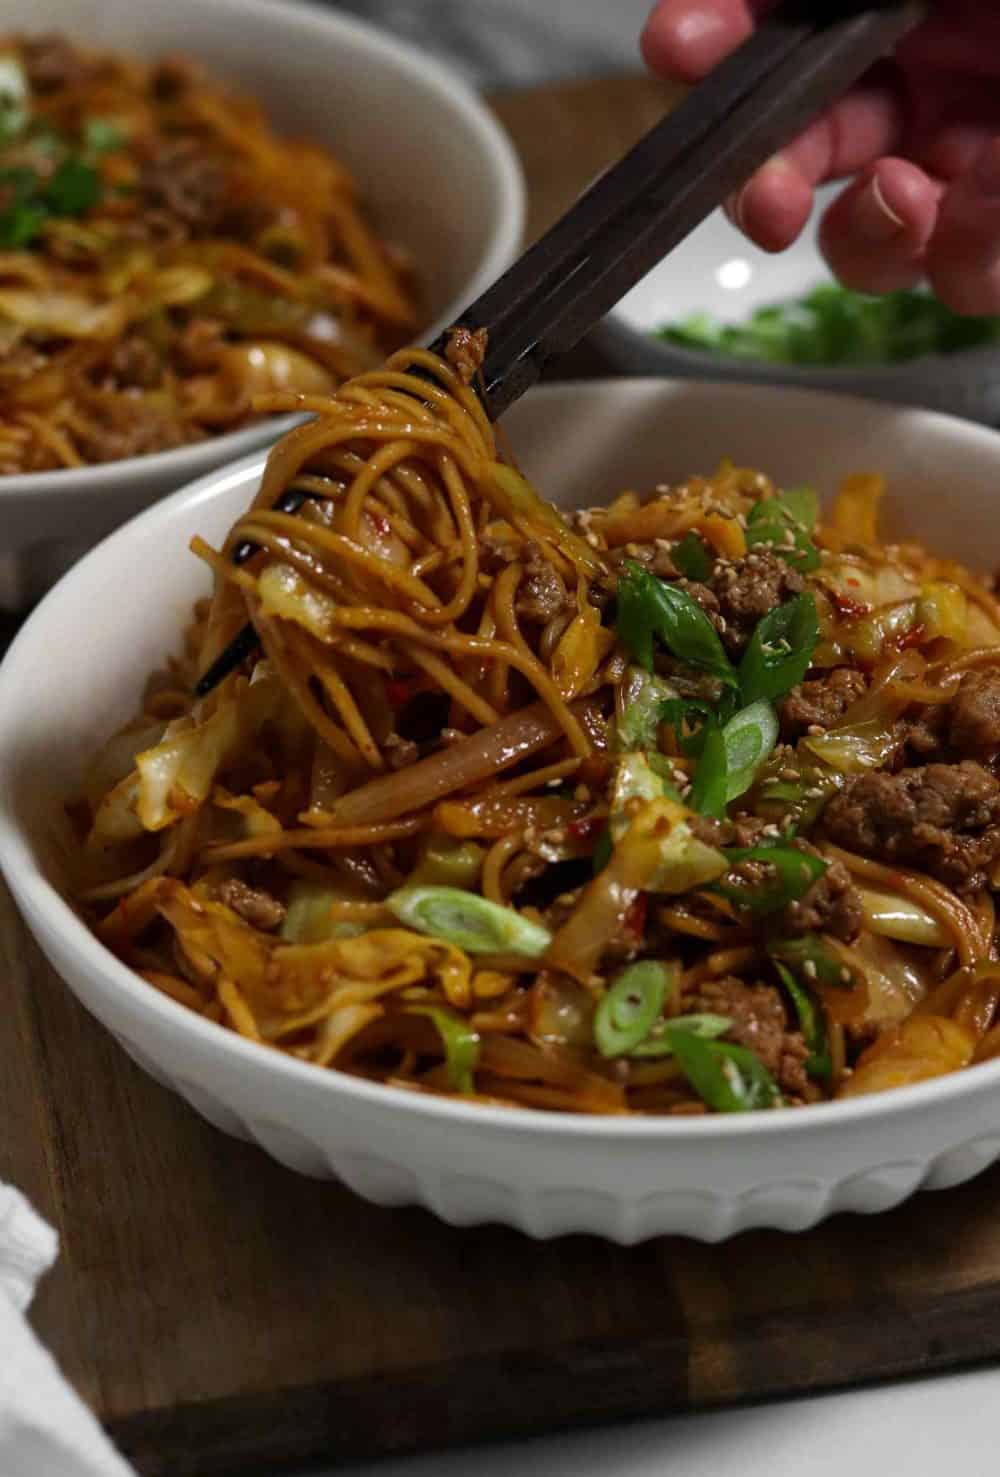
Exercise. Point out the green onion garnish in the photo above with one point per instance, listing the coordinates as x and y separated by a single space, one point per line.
468 921
780 650
784 524
728 1078
460 1042
786 874
692 558
812 1024
631 1007
649 607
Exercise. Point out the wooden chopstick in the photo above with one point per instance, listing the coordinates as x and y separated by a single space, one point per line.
800 59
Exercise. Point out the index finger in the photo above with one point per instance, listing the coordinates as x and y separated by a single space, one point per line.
684 39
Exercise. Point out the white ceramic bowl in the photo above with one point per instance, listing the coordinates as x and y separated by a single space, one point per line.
437 170
77 668
719 272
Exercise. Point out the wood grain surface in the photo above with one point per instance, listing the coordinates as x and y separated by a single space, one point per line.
223 1315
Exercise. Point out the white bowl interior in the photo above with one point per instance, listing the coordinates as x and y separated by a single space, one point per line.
438 173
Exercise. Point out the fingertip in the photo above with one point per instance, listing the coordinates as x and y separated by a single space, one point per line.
963 262
774 206
684 39
874 236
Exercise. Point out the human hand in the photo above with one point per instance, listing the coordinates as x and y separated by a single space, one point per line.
919 139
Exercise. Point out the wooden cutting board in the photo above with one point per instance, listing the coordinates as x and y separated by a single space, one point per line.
222 1315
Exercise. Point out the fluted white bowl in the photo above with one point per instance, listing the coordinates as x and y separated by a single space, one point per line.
77 668
436 169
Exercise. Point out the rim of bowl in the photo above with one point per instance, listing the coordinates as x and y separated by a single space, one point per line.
25 878
730 366
500 158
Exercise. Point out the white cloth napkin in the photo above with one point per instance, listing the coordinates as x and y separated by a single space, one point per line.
45 1429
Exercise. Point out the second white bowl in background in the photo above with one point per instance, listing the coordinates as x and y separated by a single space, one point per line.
436 169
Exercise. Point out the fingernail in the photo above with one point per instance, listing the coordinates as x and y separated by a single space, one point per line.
873 218
735 206
988 169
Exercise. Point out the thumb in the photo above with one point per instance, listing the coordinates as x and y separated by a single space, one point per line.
963 257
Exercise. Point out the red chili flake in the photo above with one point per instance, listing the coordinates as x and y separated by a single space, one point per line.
380 523
398 693
914 637
635 918
848 607
585 829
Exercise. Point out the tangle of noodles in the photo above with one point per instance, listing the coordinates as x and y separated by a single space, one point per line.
459 689
166 259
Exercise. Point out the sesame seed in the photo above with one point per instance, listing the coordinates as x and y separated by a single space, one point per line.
845 975
815 730
592 540
581 793
556 837
809 969
789 774
815 792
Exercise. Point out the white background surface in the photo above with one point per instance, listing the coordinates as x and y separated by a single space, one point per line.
940 1428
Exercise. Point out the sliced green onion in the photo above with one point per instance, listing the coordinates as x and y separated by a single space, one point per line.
709 786
468 921
73 188
783 525
749 739
103 136
812 959
780 651
460 1042
15 98
831 325
795 804
789 875
812 1024
649 607
692 558
631 1007
728 1078
20 224
660 1040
